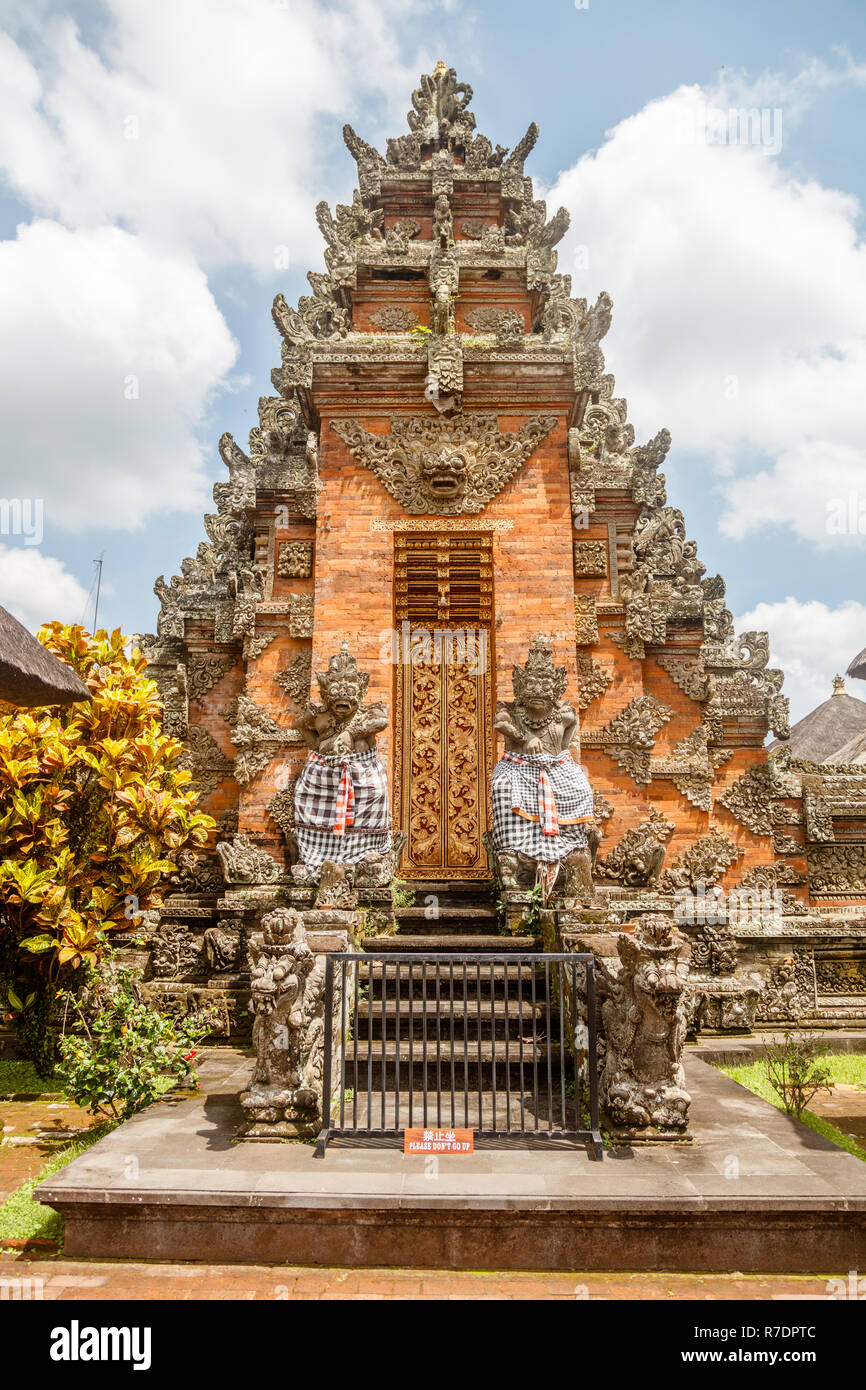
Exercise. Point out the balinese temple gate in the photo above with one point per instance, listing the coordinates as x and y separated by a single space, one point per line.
444 513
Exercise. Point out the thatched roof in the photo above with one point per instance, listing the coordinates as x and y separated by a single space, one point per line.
854 751
858 666
30 675
820 735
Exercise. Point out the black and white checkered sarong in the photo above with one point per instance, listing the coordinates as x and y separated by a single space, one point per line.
316 797
516 820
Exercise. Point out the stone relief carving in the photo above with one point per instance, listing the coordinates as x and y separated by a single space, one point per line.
395 318
222 946
689 673
749 801
644 1017
590 559
788 993
593 680
301 617
847 977
818 818
636 862
203 757
444 384
295 678
281 809
585 620
203 673
243 862
507 324
837 869
705 861
444 467
630 736
295 560
196 873
258 738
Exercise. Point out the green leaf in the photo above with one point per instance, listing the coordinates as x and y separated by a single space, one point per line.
35 944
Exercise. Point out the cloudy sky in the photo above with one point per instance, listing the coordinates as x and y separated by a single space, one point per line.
159 167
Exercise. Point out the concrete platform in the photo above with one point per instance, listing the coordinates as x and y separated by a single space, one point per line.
756 1192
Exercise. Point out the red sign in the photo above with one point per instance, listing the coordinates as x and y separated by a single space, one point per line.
438 1141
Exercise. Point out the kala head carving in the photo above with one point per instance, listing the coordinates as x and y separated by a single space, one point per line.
438 467
445 472
343 686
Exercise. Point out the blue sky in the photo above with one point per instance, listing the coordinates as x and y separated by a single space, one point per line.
159 161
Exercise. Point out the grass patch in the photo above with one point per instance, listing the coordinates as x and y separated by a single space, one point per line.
845 1068
22 1217
21 1077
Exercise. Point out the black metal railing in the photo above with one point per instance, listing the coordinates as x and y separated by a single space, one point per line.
502 1044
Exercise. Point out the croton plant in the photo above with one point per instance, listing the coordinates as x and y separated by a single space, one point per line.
94 809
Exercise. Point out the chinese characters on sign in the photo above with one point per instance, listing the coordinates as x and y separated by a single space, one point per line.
438 1141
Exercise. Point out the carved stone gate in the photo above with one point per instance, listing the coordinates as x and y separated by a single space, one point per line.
443 735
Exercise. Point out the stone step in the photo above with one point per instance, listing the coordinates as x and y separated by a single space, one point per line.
497 973
536 1112
469 944
380 978
445 927
448 889
489 1050
498 1009
449 913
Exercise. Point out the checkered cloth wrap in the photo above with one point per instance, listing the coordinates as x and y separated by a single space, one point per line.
341 809
542 804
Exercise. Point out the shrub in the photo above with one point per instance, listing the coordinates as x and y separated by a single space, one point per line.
123 1054
796 1072
94 810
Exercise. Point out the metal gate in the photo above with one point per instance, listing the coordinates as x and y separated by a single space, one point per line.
502 1044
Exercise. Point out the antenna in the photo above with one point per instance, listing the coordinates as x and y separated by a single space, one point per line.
98 564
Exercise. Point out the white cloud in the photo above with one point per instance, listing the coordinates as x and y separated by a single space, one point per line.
740 294
90 318
37 589
199 123
811 643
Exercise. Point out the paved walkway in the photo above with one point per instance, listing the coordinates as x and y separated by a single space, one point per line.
184 1149
73 1280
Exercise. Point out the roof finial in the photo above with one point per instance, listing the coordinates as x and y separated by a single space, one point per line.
440 69
838 685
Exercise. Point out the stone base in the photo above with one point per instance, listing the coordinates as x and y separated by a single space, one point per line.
624 1136
264 1132
797 1205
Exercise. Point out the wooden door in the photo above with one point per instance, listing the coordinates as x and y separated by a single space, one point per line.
444 725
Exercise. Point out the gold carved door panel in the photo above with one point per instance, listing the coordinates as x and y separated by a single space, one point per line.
445 764
443 714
